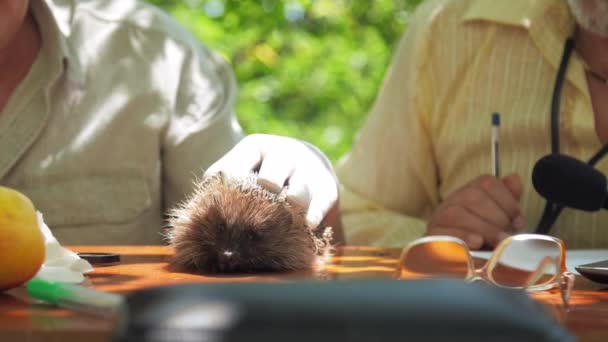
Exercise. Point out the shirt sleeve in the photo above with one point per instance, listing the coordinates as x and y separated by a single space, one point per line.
203 125
389 179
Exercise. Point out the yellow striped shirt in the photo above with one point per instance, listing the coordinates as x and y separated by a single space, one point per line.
428 132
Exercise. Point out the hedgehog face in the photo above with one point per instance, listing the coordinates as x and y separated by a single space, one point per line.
230 226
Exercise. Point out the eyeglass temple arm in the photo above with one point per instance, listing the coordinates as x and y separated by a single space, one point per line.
566 284
566 281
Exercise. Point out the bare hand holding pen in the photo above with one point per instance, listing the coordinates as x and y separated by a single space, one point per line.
486 210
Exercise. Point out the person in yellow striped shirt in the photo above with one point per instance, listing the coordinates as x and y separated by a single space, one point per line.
422 161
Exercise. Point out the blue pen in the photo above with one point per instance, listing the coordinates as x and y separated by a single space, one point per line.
495 144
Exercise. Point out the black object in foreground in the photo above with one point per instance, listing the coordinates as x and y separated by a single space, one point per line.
101 259
596 271
368 310
570 182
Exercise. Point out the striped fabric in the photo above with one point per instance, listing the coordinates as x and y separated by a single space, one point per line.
428 133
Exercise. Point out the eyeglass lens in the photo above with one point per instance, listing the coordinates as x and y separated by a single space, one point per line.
517 262
436 258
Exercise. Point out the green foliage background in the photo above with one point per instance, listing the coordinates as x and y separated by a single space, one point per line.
306 68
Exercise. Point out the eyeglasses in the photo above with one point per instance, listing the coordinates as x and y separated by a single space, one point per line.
526 261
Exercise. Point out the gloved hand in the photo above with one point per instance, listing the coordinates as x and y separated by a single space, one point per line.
285 162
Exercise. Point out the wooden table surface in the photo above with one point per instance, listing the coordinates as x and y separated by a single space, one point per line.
23 319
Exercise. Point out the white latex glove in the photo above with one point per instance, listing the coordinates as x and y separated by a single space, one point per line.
308 174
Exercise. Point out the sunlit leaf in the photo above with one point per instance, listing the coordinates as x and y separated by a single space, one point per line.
309 69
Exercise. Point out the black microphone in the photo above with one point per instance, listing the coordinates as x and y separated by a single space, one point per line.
570 182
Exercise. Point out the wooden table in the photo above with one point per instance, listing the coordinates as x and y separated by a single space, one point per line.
22 319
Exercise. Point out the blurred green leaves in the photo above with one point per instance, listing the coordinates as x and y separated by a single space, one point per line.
306 68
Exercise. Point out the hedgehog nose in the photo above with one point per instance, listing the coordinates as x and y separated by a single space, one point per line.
227 261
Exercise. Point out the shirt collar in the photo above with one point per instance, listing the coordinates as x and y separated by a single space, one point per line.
514 12
549 23
54 23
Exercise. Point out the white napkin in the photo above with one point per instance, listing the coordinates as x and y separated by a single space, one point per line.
60 264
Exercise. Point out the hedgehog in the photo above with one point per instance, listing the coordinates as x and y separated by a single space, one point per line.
236 225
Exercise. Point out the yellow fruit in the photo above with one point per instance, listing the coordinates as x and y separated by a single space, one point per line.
21 241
